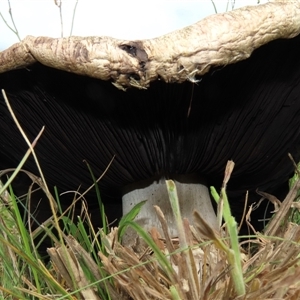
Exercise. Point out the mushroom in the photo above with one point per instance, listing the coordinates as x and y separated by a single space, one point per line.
227 87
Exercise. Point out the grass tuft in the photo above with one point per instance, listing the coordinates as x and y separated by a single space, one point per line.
201 263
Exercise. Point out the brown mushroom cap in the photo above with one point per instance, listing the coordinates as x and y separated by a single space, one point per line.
217 40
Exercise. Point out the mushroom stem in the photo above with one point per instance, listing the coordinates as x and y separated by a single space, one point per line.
192 194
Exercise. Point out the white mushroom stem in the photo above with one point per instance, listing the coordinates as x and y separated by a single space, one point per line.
192 194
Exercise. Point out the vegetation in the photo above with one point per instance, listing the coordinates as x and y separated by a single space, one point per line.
200 264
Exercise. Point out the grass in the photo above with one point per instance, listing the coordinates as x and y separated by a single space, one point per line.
201 263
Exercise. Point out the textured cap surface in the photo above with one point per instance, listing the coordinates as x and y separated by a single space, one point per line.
217 40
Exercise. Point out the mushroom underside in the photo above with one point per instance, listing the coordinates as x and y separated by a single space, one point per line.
247 112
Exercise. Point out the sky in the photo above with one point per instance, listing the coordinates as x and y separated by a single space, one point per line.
124 19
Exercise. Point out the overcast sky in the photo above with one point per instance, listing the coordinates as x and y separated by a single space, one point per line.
125 19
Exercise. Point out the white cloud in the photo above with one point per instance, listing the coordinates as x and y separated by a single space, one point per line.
130 19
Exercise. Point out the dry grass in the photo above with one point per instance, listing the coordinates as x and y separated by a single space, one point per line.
199 264
200 271
196 265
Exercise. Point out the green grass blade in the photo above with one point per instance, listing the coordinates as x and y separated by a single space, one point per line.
130 216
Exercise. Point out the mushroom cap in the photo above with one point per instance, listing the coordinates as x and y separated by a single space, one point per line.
247 112
217 40
243 108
